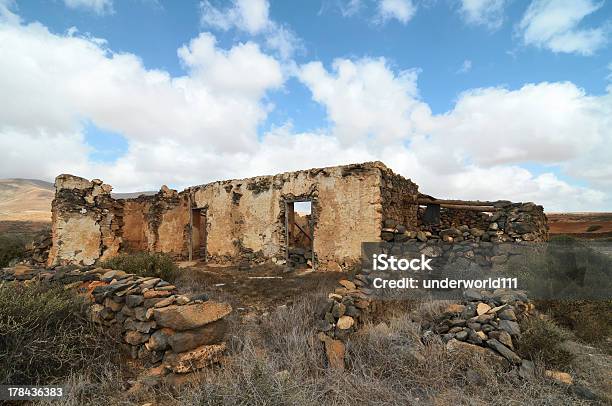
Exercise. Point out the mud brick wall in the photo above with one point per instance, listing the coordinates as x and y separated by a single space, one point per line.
399 200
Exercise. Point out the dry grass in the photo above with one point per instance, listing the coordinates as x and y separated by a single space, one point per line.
279 362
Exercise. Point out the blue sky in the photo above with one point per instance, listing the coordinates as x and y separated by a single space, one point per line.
446 63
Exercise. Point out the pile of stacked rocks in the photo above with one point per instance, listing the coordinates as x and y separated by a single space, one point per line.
485 319
37 251
299 258
178 333
394 232
341 314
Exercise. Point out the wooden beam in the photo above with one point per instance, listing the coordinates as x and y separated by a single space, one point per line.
422 200
471 208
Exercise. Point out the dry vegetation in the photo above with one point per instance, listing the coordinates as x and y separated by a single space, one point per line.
279 361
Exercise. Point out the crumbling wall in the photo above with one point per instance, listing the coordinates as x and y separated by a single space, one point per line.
87 222
247 217
506 222
89 225
399 200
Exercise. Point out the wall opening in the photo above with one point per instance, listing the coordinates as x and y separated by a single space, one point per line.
198 234
299 237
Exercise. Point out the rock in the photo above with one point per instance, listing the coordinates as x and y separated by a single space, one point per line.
135 337
421 236
182 300
455 308
140 326
507 314
335 350
191 316
345 322
338 310
193 360
165 302
140 313
150 294
472 295
111 304
527 370
482 308
462 335
460 347
511 327
562 377
211 333
504 351
133 300
159 340
347 284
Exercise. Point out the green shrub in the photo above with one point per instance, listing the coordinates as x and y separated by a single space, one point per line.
11 247
45 335
541 339
594 227
158 265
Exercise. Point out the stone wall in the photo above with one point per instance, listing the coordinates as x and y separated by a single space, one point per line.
88 225
509 222
157 325
399 200
247 217
86 222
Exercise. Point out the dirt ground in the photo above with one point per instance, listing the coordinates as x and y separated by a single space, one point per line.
578 224
257 290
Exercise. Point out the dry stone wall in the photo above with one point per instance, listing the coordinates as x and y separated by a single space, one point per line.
158 326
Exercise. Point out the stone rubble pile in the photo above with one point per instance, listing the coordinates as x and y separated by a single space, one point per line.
485 319
299 258
37 251
340 315
158 326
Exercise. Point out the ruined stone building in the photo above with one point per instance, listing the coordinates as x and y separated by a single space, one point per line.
254 220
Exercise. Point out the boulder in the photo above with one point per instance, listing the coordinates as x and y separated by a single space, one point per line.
190 316
504 351
193 360
211 333
135 337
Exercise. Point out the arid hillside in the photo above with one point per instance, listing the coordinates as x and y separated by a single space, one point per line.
581 225
25 200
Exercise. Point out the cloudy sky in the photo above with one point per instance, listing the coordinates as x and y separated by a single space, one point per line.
474 99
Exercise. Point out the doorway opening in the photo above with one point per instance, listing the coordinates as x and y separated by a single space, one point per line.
300 226
198 234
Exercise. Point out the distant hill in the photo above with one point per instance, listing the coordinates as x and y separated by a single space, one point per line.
582 225
30 199
25 200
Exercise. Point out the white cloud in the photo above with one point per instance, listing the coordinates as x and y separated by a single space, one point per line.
203 126
50 84
252 17
350 8
466 66
554 24
401 10
489 13
100 7
364 99
475 150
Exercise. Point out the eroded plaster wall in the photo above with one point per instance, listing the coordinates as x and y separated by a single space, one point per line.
246 218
